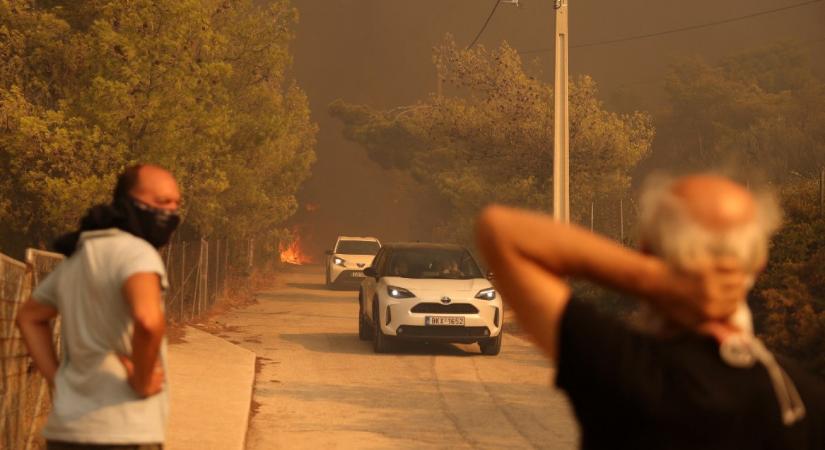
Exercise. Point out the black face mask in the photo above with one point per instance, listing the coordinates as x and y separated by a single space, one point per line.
155 225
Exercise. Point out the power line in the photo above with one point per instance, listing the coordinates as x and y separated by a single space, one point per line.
486 22
679 30
658 80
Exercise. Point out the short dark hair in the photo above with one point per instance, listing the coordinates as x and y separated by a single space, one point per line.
126 181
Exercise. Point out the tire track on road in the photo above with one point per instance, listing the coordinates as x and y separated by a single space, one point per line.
442 399
500 406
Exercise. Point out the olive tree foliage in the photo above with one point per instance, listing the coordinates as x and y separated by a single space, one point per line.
489 137
760 113
789 298
200 87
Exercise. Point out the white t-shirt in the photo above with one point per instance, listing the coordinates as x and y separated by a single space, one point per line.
93 402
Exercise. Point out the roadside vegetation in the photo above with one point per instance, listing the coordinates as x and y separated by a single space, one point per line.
200 87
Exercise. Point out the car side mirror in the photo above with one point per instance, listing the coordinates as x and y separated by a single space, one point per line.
328 252
370 272
491 276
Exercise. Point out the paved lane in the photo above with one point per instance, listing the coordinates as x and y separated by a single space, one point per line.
318 386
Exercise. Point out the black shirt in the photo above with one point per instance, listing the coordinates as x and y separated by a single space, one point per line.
636 391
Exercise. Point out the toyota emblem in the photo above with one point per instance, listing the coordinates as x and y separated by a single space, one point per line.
445 300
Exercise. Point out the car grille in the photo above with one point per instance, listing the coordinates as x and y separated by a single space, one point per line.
444 331
438 308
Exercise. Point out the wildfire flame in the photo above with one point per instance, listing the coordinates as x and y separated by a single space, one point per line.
292 253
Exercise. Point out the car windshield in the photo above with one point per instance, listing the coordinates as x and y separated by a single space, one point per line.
357 247
438 263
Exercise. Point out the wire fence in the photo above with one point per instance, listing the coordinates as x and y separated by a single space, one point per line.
23 391
199 274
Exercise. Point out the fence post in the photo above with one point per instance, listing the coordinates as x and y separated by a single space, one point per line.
592 210
197 286
251 255
822 192
204 276
225 268
182 295
621 219
216 283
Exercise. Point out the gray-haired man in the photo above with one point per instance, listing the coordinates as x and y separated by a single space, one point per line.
701 380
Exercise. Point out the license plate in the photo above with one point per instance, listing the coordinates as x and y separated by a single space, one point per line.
357 274
444 320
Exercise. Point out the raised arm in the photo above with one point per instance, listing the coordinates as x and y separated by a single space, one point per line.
531 254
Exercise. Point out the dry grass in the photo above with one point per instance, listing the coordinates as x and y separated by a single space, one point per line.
240 292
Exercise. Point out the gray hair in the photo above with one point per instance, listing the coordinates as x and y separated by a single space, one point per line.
667 230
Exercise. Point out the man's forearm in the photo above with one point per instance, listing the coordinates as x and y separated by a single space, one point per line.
38 339
567 250
146 342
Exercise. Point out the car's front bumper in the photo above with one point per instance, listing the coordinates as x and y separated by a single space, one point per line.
406 319
345 276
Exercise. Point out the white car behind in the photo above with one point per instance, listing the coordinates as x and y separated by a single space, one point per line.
428 292
347 260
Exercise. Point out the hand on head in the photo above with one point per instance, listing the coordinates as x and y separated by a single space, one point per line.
712 235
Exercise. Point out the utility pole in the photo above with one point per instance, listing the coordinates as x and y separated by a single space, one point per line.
561 125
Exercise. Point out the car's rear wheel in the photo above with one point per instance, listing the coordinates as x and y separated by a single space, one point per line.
380 341
491 346
364 328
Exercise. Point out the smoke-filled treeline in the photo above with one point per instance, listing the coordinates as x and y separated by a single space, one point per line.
200 87
488 138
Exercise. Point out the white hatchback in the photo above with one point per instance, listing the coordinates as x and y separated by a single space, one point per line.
347 260
428 292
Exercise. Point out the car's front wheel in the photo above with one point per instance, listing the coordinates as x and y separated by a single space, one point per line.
491 346
380 342
364 328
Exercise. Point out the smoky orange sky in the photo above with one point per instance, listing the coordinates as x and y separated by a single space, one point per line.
378 52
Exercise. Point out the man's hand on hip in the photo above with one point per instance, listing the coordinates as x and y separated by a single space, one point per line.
144 388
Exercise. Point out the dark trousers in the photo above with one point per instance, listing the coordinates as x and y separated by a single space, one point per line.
57 445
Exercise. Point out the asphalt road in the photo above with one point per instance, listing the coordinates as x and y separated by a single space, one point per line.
318 386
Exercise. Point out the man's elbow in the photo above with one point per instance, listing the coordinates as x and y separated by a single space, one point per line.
150 324
22 320
28 315
488 225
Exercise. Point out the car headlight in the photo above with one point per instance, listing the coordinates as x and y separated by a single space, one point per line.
398 292
338 261
487 294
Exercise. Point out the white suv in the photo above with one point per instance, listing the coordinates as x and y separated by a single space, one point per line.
428 292
347 260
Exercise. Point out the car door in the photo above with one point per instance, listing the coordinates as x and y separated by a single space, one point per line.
369 283
330 256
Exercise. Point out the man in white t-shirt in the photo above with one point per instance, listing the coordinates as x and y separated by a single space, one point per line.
109 389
